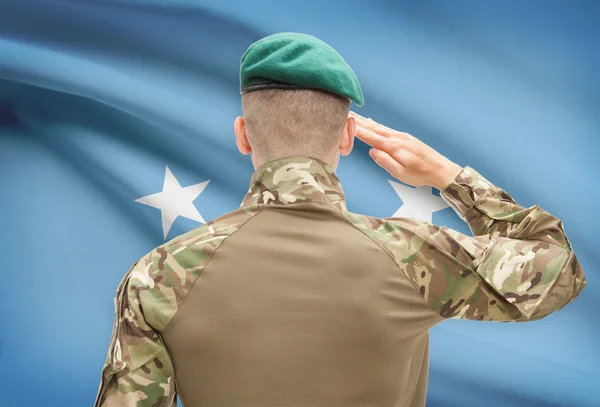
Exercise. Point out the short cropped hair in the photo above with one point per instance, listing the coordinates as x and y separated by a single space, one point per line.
289 122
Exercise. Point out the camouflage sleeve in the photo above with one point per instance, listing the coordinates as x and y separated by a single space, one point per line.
518 266
138 370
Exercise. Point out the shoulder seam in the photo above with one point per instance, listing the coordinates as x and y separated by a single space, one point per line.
395 262
261 206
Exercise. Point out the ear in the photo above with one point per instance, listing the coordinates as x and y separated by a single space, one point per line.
347 140
241 139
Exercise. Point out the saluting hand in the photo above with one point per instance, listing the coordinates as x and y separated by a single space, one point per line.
404 156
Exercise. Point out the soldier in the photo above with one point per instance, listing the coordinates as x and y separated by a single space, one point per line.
292 299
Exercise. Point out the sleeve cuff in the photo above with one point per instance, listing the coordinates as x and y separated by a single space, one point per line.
463 192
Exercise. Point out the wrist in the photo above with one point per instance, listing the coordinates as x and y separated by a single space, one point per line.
446 175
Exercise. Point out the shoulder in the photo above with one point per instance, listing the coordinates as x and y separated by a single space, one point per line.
389 230
418 247
207 236
162 277
390 234
402 237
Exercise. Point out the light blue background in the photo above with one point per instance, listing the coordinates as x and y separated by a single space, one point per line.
96 97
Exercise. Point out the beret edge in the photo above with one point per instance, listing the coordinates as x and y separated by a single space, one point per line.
284 85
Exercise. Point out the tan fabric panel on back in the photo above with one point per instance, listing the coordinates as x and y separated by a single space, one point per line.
300 308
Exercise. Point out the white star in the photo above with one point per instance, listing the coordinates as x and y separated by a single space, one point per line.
418 203
174 200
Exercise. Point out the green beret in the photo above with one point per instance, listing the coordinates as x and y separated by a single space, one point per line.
289 60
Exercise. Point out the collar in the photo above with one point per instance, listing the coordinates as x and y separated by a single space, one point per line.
295 179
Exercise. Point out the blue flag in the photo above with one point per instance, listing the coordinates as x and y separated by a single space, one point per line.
116 134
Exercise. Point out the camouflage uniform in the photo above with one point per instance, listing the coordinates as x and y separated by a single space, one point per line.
308 304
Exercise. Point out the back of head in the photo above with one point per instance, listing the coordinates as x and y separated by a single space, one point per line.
296 94
289 122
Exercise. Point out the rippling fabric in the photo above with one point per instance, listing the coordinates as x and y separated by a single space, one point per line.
101 100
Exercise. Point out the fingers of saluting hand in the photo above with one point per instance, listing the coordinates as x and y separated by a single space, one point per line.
370 124
375 134
366 123
374 139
